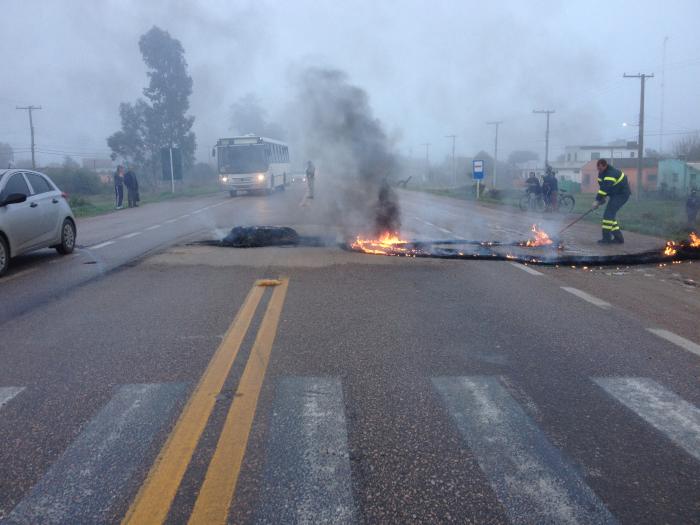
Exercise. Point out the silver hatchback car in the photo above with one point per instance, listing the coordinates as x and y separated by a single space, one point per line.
34 214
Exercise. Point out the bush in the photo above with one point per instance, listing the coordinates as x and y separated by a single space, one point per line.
202 174
77 180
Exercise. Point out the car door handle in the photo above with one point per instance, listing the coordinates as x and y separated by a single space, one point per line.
33 205
54 200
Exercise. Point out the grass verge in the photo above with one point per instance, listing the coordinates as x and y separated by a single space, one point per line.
661 218
89 206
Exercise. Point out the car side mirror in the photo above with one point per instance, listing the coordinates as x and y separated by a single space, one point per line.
213 152
14 198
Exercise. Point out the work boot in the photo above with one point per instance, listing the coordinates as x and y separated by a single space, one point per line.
617 237
607 239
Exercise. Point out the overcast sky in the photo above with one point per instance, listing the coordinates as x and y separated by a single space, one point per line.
431 68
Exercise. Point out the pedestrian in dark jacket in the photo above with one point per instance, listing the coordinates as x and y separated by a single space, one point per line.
132 187
692 206
615 188
550 188
119 187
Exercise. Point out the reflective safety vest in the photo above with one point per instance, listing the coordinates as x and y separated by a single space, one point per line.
612 182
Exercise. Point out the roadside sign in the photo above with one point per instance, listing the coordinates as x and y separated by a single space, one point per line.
478 169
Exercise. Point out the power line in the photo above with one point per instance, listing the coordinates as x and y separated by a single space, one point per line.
31 128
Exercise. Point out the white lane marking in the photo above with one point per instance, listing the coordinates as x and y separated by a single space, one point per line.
101 245
184 216
444 230
530 476
658 406
154 227
130 235
7 393
84 483
308 476
587 297
17 275
684 343
525 268
170 221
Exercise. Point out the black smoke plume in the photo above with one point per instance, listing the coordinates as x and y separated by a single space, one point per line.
341 135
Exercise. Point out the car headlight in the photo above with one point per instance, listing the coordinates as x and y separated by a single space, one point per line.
224 179
261 177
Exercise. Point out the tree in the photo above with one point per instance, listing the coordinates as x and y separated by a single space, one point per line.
516 157
69 163
688 148
7 155
160 120
248 116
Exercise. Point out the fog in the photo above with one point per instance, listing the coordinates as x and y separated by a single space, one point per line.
429 69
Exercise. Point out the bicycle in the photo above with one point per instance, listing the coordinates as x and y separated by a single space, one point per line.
532 201
566 201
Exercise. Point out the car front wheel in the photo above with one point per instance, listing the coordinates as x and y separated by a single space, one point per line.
67 238
4 256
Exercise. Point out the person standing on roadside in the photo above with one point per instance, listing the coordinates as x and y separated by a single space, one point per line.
615 188
119 187
310 176
692 206
132 187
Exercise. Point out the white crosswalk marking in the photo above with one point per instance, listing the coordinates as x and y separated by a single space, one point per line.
307 477
659 407
531 477
7 393
83 484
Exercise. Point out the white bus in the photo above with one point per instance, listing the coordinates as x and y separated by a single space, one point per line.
252 163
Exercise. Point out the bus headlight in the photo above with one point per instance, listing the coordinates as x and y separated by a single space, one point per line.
224 179
261 177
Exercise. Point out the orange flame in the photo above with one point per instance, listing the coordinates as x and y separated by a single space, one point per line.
694 240
388 244
670 249
541 238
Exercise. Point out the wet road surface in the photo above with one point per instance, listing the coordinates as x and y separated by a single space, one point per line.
162 383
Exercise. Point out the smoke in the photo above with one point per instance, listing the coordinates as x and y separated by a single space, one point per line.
355 158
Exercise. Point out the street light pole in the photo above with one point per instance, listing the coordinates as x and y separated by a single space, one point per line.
454 166
640 141
427 159
31 128
546 136
495 152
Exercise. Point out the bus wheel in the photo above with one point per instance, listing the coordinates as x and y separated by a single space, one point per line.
233 193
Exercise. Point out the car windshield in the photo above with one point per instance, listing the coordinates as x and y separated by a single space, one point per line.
243 159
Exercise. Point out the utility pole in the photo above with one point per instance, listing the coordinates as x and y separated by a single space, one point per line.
547 112
663 90
454 166
640 141
427 159
31 128
495 151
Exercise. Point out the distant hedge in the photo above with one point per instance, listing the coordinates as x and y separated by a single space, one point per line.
77 180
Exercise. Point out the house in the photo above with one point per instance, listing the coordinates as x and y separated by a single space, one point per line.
679 176
569 165
650 174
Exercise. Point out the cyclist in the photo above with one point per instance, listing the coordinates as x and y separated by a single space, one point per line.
532 185
550 188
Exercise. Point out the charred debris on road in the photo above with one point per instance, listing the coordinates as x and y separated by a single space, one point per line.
538 250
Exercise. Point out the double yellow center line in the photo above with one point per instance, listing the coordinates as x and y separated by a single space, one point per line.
156 495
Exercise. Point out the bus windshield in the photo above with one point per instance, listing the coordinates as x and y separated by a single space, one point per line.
243 159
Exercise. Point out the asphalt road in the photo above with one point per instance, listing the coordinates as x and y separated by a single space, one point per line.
151 379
